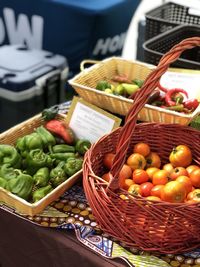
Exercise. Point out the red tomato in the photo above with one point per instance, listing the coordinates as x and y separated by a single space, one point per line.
150 171
178 171
136 161
127 184
153 160
153 198
142 148
156 190
185 180
146 189
194 196
195 178
181 156
107 176
125 173
173 192
160 177
108 160
192 168
140 176
135 189
168 167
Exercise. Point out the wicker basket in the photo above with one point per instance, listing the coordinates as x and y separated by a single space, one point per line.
85 82
22 206
151 226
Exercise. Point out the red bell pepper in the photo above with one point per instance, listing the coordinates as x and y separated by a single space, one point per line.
191 103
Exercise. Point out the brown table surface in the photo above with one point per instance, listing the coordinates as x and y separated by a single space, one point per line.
23 244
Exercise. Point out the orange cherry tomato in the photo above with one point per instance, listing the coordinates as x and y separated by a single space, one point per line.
146 189
160 177
136 161
153 160
142 148
194 196
173 192
191 168
178 171
108 160
150 171
127 184
153 198
125 173
181 156
168 167
195 178
156 190
135 189
185 180
140 176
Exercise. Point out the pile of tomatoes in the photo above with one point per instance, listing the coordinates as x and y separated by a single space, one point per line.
177 181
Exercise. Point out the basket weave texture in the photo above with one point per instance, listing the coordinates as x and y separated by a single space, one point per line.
151 226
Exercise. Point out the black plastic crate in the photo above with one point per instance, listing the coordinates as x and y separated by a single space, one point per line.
168 16
157 46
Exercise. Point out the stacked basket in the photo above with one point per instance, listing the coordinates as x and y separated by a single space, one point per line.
152 226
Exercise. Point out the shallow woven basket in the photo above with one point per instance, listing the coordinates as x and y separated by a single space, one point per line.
151 226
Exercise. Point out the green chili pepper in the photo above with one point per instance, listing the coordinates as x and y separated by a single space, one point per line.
41 192
138 82
63 148
37 159
21 186
9 155
41 177
8 172
179 108
47 138
58 174
82 146
62 156
3 183
72 166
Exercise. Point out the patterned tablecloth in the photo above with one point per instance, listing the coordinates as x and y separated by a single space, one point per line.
71 211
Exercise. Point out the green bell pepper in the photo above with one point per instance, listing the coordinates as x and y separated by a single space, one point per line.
47 138
73 165
82 146
28 142
9 155
37 159
8 172
58 175
3 183
41 192
41 177
21 186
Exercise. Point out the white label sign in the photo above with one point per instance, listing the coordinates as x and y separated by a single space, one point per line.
91 124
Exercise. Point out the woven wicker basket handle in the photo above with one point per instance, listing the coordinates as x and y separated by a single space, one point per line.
140 100
87 61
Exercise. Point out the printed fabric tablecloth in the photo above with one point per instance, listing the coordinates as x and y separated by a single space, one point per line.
71 211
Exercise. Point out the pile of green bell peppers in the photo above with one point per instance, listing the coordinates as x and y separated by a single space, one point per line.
37 164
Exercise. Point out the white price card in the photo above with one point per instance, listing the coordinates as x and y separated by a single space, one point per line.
189 80
90 122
